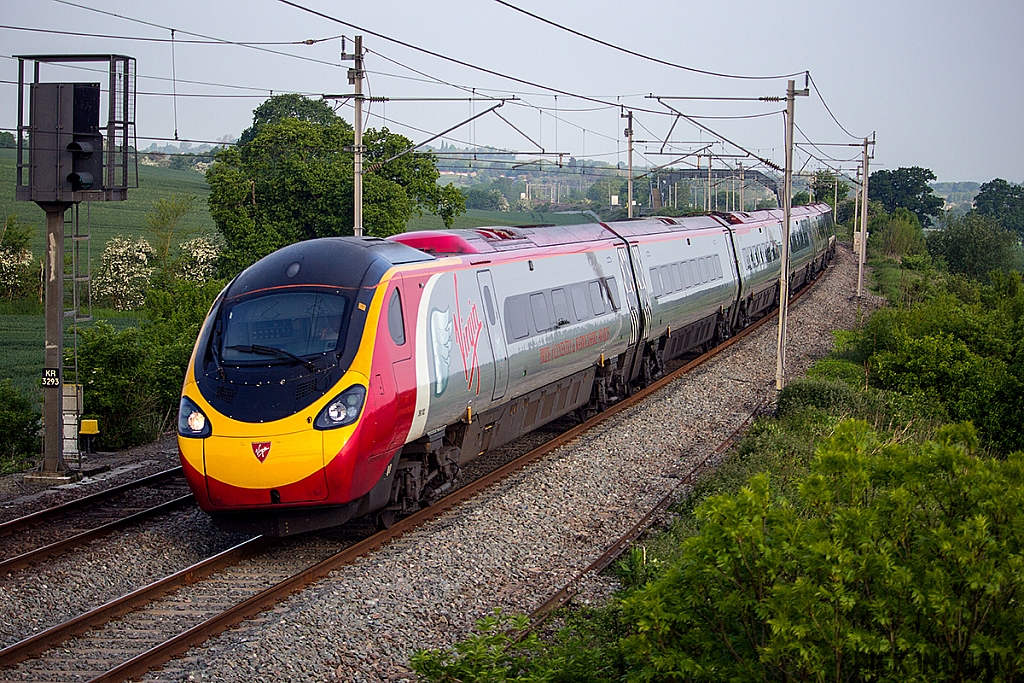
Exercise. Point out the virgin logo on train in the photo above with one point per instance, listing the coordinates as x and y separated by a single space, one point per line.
261 450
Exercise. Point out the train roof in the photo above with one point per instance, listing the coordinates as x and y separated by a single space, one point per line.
490 240
337 261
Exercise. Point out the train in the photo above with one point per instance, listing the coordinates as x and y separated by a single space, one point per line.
343 377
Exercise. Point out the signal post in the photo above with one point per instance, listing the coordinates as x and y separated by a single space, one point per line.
68 158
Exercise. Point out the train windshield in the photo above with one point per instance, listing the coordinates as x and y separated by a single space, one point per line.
287 326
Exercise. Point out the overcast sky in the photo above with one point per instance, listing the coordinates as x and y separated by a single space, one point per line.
939 83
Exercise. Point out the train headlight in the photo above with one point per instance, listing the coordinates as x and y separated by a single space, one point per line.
192 422
343 410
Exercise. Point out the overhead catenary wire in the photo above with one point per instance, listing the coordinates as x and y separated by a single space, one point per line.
148 39
641 55
559 110
199 35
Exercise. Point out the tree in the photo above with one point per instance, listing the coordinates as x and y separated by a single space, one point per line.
897 235
907 188
293 181
975 245
1004 202
485 199
801 198
163 222
7 140
291 106
19 427
828 188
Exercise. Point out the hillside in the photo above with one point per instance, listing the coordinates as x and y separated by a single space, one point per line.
127 218
107 219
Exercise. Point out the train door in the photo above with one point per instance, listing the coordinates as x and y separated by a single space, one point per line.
393 383
641 293
492 320
635 307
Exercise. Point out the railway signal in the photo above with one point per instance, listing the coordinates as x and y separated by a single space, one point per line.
65 157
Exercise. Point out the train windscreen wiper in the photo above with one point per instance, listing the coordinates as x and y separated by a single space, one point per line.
272 351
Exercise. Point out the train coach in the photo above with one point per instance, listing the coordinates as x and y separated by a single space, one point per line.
346 376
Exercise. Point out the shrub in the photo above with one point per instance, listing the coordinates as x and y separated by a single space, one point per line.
17 268
124 273
119 372
19 428
197 260
892 563
975 245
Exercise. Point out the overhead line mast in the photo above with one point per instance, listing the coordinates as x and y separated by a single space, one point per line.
355 77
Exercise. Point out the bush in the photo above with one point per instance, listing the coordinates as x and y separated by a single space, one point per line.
975 245
894 563
19 429
17 267
132 379
124 273
120 379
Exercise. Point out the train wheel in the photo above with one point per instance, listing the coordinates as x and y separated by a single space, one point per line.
385 518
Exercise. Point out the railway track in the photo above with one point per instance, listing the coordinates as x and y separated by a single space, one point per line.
46 533
129 636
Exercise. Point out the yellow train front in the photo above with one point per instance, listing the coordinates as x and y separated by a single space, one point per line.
273 430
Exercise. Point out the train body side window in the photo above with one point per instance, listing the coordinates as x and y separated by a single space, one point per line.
684 269
560 306
579 302
717 262
611 292
596 300
489 306
539 306
396 326
655 282
666 279
677 277
515 314
702 264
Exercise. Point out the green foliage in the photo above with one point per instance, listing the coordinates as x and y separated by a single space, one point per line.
1004 202
19 428
289 106
503 651
897 235
17 268
960 354
132 378
893 563
292 180
486 199
975 245
119 377
164 223
7 140
907 188
801 198
828 188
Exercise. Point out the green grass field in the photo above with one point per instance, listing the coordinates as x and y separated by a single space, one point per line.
107 219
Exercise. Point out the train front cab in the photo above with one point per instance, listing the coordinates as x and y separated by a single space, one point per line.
276 437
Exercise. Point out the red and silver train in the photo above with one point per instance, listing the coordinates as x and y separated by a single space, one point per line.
345 376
